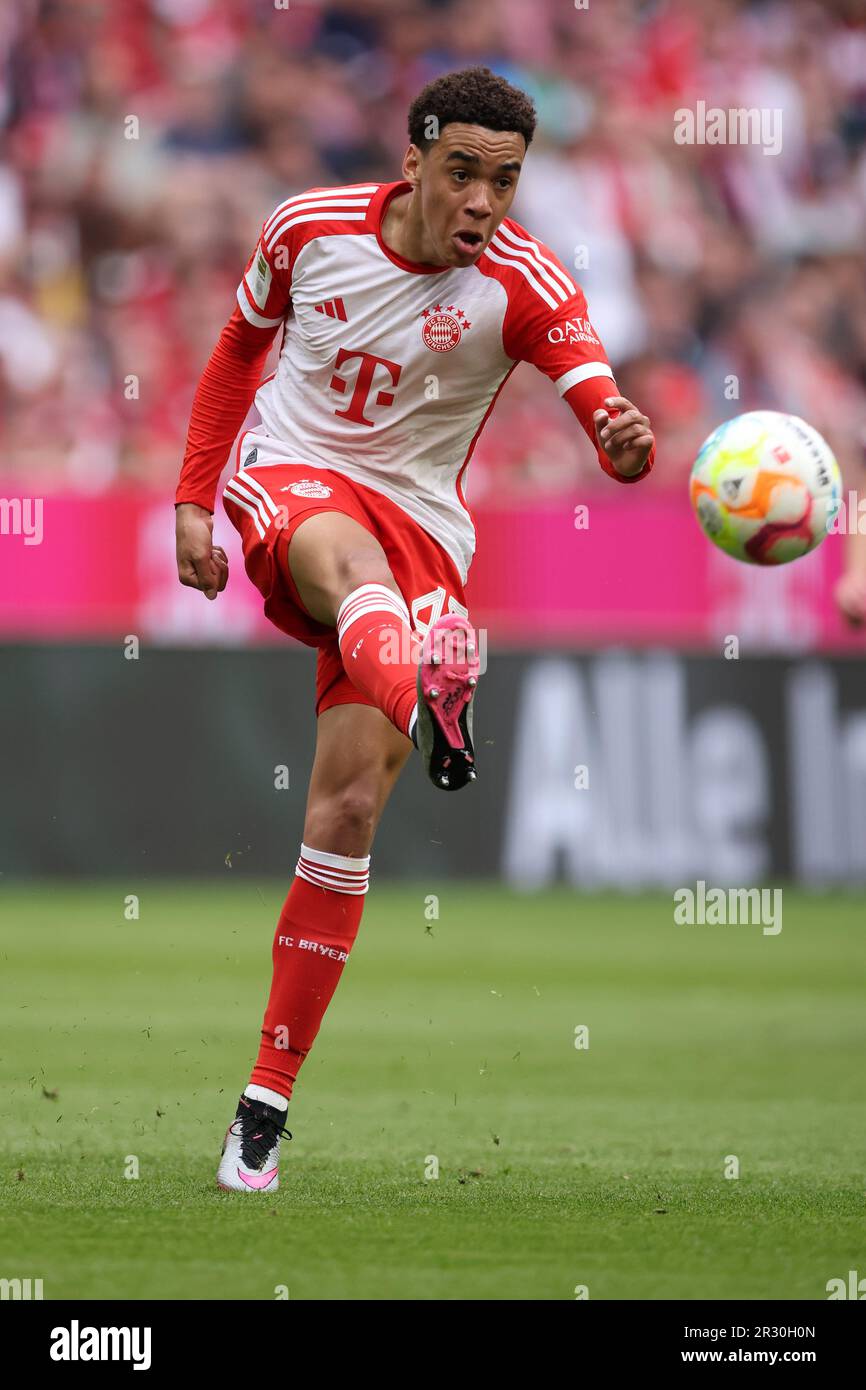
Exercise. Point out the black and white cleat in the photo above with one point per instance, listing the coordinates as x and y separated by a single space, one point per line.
251 1150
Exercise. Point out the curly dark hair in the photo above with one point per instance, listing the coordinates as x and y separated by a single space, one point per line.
475 96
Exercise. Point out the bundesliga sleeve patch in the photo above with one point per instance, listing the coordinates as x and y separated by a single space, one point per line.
258 278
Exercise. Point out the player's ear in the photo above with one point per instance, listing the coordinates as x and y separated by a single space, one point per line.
412 165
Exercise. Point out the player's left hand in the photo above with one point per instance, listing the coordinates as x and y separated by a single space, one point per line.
627 439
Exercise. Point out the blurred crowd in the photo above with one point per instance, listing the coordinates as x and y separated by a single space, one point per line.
143 142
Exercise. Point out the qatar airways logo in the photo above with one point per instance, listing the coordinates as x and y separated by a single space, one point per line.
573 331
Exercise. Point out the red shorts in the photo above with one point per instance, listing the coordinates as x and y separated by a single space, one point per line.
266 502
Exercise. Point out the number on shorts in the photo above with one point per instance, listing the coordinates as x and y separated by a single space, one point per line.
435 600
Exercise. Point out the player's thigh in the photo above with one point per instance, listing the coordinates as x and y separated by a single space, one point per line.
359 756
331 555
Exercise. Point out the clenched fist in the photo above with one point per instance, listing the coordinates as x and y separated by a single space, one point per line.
200 564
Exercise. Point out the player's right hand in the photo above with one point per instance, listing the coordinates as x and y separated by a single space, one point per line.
850 596
200 564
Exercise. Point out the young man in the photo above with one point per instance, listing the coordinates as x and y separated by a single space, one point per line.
403 308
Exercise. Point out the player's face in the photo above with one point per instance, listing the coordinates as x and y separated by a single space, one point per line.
467 181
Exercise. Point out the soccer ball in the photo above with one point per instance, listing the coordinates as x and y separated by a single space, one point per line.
765 487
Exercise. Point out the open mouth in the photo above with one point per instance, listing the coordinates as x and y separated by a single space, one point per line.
467 241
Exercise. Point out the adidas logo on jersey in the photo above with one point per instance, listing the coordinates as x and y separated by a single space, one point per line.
332 309
443 327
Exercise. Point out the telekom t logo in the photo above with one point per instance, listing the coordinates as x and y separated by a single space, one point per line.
368 363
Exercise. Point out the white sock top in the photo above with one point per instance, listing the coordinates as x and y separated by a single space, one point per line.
273 1098
339 872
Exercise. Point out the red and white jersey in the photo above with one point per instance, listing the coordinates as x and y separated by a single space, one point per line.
388 369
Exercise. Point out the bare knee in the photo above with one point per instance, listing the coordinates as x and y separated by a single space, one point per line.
359 755
362 565
343 821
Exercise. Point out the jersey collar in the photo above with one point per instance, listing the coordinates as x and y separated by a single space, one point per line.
378 208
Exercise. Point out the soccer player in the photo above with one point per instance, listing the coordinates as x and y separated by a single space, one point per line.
403 308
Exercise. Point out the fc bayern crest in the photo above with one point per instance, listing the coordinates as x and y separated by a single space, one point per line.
443 327
309 487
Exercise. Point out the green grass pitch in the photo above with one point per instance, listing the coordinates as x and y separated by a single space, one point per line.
559 1167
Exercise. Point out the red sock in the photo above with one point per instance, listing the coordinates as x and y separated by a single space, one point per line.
315 933
379 650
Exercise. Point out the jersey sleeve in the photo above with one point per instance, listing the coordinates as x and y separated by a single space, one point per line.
547 323
233 374
265 292
222 400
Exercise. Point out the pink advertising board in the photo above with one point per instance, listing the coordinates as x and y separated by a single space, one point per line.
618 569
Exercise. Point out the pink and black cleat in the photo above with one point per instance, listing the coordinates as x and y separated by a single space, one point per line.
447 676
251 1151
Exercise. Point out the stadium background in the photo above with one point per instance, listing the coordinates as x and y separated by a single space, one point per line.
144 845
141 145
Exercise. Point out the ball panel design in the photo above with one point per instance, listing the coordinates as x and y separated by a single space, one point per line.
764 487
